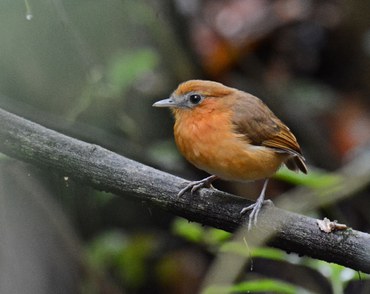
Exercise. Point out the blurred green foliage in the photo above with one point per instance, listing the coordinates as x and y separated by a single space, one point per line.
338 276
197 233
258 286
315 179
125 256
257 252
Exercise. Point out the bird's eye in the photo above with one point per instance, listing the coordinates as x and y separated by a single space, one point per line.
195 98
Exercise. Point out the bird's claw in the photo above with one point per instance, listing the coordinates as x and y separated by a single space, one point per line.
256 208
196 185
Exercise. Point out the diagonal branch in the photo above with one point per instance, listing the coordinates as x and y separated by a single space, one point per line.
108 171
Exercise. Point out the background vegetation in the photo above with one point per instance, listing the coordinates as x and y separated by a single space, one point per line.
92 69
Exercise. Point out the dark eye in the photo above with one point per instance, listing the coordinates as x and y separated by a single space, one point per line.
195 98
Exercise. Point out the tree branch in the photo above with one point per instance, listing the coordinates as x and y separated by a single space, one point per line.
107 171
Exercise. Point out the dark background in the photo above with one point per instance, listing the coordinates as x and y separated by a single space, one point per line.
92 69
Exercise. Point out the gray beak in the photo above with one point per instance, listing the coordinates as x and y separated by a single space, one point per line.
165 103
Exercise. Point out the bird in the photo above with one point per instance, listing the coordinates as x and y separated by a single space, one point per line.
232 135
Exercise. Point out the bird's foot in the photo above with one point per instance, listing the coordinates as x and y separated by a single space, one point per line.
256 208
193 186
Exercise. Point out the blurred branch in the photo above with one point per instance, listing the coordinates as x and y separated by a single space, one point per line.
108 171
75 128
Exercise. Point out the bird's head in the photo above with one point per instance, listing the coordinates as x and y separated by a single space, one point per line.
194 94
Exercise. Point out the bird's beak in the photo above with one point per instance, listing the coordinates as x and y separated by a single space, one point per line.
169 102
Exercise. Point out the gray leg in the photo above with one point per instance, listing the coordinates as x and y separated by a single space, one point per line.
255 207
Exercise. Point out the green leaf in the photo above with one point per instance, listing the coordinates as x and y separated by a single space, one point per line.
193 232
314 179
360 276
269 253
105 248
127 67
237 248
216 236
338 275
133 260
112 81
263 285
262 252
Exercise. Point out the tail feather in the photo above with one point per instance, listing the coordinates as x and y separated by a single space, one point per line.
296 163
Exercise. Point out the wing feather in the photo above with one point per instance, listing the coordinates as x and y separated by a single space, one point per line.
262 128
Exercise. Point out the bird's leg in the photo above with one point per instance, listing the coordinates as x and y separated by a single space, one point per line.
256 207
197 185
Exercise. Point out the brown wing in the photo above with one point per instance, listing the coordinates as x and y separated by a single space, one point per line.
261 127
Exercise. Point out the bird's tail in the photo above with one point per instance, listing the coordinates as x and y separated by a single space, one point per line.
297 163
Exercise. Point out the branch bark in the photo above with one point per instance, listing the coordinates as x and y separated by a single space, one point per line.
108 171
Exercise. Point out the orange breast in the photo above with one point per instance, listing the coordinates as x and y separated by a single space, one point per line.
206 138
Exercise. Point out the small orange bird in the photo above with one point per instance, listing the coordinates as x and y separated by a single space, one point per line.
232 135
